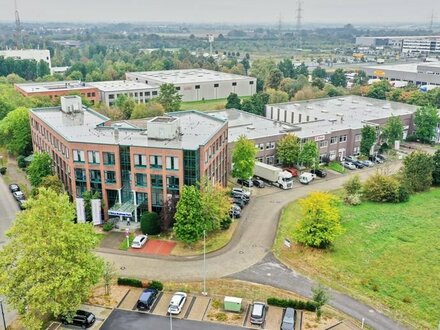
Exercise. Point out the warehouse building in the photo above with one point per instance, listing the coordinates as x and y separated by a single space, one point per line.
405 44
28 54
335 123
135 165
199 84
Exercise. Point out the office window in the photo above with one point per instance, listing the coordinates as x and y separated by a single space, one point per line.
95 175
234 84
173 182
177 88
140 160
260 146
110 176
270 145
333 140
156 181
251 82
80 174
215 85
197 87
78 156
154 93
93 157
109 158
270 160
141 93
343 138
141 180
156 162
172 163
323 144
147 93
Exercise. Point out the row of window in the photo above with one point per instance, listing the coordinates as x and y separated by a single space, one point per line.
215 85
268 146
215 146
171 163
50 138
135 94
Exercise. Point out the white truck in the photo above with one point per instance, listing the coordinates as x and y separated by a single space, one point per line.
274 175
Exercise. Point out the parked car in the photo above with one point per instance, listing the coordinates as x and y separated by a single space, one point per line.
288 322
376 160
319 173
258 313
306 177
18 195
258 183
350 158
246 183
238 201
367 163
358 164
235 212
176 303
242 191
146 299
348 165
22 204
244 197
292 171
81 319
382 157
14 187
139 241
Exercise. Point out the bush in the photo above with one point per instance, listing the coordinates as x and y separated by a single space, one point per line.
108 226
21 162
411 138
226 223
296 304
130 282
353 186
3 170
383 188
150 223
384 148
354 199
155 285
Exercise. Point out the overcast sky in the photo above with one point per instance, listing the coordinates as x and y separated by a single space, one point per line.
222 11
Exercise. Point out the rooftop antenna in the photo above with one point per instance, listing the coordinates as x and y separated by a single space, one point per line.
211 41
298 23
17 27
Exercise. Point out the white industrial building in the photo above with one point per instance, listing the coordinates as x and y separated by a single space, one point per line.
28 54
110 90
405 44
199 84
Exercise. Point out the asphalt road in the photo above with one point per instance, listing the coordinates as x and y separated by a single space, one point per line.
129 320
8 211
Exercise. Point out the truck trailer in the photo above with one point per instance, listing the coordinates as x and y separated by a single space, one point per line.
274 175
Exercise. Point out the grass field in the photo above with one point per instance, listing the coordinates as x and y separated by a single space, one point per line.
206 105
388 256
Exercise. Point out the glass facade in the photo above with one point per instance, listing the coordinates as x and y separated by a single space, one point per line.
124 155
191 165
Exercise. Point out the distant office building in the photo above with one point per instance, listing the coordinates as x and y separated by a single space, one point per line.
56 89
425 73
59 69
335 124
110 90
405 44
199 84
28 54
135 165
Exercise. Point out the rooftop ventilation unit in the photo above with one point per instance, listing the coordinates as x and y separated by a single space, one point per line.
324 111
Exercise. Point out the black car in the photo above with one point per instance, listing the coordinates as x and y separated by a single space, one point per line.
13 187
146 299
244 197
235 212
239 201
258 182
358 164
246 183
319 173
81 319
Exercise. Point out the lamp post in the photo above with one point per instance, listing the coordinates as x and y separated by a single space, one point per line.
204 264
3 313
171 321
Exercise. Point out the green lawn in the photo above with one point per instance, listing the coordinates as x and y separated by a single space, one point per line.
389 256
207 105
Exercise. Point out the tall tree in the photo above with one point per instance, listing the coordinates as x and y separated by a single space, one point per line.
274 78
15 132
368 139
40 167
287 68
426 121
167 213
52 182
169 97
319 72
243 158
320 221
126 105
215 203
261 68
276 96
361 78
48 267
147 110
379 90
302 69
309 154
288 150
233 102
338 78
417 171
393 130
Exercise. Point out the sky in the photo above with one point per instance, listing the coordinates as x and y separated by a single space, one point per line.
223 11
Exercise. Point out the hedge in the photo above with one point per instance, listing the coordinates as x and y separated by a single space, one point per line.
155 285
130 282
296 304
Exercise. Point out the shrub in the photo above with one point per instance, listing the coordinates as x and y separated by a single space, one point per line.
130 282
354 199
411 138
221 317
382 188
150 223
353 185
108 226
21 162
226 223
3 170
296 304
155 285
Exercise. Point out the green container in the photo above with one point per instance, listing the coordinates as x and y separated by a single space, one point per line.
232 304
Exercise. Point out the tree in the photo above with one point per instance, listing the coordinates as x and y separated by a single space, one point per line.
379 90
319 72
40 167
243 158
426 121
15 132
233 102
189 224
126 105
319 83
417 171
361 78
368 139
261 68
167 213
274 78
150 223
215 203
320 221
436 168
286 67
109 273
288 149
338 78
48 266
302 70
147 110
309 154
353 185
320 298
393 130
384 189
52 182
276 96
169 97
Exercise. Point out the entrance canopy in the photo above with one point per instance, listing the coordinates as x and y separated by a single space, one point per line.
124 210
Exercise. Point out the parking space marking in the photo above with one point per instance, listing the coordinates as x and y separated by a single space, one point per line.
186 307
198 308
156 301
130 300
163 303
274 317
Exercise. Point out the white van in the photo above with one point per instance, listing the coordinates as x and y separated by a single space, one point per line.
306 177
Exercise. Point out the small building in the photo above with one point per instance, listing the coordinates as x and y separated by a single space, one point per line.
199 84
405 44
28 54
56 89
232 304
110 90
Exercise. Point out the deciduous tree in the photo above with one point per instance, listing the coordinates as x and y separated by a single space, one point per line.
309 154
40 167
368 139
169 97
233 102
147 110
426 121
288 149
15 132
417 171
243 158
338 78
393 130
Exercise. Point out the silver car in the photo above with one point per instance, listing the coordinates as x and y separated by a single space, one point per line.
348 165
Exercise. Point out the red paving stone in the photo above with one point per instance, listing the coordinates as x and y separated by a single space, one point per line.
157 247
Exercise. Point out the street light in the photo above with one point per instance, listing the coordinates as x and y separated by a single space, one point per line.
171 321
204 264
3 313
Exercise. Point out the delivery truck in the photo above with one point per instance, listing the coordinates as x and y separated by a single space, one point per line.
273 175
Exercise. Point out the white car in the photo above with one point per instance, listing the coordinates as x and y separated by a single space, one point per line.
139 241
177 302
241 191
18 195
348 165
368 163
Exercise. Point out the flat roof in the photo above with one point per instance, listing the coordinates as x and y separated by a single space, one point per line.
407 67
91 127
250 125
120 85
401 37
52 86
343 113
187 76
